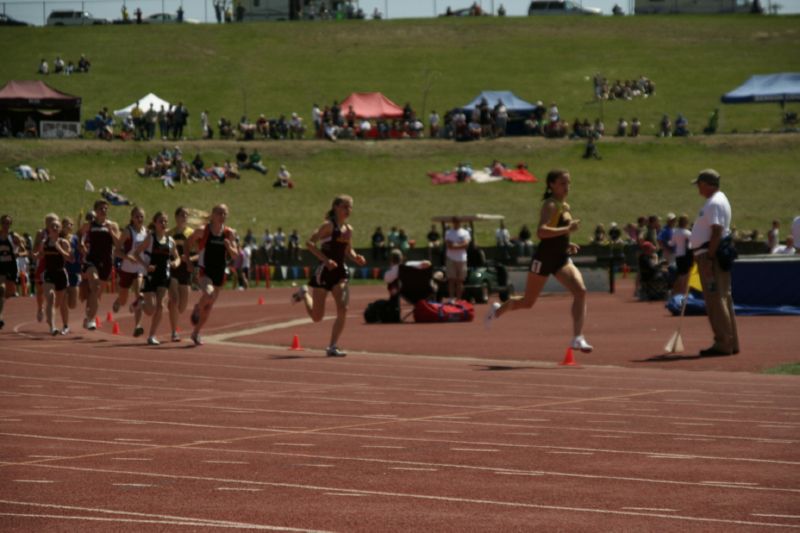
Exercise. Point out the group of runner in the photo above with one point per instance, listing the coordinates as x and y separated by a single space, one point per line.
157 261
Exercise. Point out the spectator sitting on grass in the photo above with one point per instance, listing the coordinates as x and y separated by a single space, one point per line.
284 179
44 68
84 64
681 126
636 125
297 130
225 128
246 129
622 127
665 127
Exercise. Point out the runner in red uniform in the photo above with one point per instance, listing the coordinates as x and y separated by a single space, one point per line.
216 243
98 239
335 237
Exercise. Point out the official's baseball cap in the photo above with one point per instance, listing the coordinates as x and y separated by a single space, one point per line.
709 176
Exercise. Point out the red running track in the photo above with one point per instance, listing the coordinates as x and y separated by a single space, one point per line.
425 428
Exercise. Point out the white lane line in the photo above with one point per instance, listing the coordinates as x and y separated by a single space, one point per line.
11 420
691 424
777 515
442 431
654 509
610 436
670 456
47 456
67 421
643 410
298 444
133 485
44 481
693 439
443 417
366 429
606 421
530 474
776 426
226 462
134 440
145 518
474 450
260 329
412 469
734 483
240 489
315 465
571 453
524 434
350 494
131 459
528 419
383 446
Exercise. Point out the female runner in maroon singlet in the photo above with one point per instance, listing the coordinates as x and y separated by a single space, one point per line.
552 257
335 237
98 239
53 252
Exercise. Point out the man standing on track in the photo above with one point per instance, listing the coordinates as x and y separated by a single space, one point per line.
710 229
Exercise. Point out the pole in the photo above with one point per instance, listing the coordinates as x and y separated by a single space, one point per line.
386 9
205 11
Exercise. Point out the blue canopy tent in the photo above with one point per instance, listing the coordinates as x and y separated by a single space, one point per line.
518 109
782 88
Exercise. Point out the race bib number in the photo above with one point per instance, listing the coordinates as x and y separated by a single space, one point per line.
536 266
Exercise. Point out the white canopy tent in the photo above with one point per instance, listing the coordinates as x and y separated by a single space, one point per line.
144 105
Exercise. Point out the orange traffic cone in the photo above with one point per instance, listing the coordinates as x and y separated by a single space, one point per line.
115 328
296 343
569 358
260 300
98 322
625 270
109 317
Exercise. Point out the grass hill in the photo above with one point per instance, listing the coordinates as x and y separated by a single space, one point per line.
434 64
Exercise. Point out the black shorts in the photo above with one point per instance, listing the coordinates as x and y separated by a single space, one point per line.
153 282
183 274
73 278
103 268
58 278
683 263
9 270
327 279
217 277
547 264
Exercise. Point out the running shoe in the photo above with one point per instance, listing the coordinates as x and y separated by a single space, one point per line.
196 339
152 341
89 324
54 332
115 306
40 315
176 337
195 318
65 330
299 294
138 331
491 315
333 351
579 343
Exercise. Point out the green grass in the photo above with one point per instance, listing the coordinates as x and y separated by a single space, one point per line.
389 183
283 67
789 368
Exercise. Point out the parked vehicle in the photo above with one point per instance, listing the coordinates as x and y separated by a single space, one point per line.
560 7
483 276
73 18
5 20
167 18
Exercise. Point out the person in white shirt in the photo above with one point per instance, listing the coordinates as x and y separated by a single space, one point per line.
710 228
774 235
683 254
457 241
796 231
785 249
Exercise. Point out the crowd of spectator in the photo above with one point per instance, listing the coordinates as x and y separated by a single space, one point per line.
171 167
66 68
623 90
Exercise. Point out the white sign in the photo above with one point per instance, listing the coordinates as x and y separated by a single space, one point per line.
50 129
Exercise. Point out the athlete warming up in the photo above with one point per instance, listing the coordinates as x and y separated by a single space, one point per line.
216 243
158 255
334 237
552 257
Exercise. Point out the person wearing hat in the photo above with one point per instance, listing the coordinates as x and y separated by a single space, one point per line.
711 226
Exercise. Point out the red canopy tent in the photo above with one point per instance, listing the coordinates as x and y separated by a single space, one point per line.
371 105
32 98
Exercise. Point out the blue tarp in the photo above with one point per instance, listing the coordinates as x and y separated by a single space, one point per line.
784 87
513 103
695 306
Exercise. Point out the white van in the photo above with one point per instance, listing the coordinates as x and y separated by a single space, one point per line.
73 18
560 7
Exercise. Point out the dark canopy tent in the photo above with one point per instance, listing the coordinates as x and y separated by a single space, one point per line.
518 109
22 99
780 88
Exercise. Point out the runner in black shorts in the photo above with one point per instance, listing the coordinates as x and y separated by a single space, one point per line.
98 239
54 251
216 243
180 277
552 258
73 266
11 247
158 255
335 236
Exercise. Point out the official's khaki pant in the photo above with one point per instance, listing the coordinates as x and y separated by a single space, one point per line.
716 285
